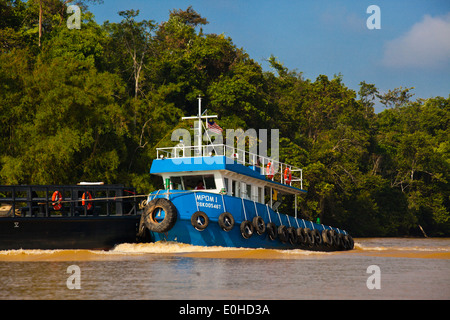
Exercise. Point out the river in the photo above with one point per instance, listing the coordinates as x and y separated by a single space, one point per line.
378 268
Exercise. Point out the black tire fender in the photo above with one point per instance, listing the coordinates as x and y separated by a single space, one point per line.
226 221
327 237
312 239
199 220
317 237
292 235
271 229
283 233
246 229
307 237
332 236
300 235
259 225
151 212
339 244
351 242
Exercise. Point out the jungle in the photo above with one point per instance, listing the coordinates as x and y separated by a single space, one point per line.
92 104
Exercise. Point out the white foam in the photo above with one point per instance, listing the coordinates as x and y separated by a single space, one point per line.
367 247
176 247
27 252
167 247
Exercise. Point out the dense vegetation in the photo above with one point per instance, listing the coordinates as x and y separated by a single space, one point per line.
93 103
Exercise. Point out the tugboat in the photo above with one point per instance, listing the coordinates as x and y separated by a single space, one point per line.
83 216
218 195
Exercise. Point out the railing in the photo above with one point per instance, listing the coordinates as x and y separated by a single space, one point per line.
39 201
273 170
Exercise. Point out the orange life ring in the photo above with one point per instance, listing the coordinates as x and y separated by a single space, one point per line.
270 170
86 196
287 175
56 198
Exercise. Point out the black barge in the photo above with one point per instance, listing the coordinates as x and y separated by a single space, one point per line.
84 216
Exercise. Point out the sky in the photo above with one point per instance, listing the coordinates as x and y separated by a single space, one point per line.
402 43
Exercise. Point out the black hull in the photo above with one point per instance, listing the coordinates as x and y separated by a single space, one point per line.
83 232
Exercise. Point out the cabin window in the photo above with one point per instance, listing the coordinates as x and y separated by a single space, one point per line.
199 182
249 191
260 195
210 183
177 183
226 185
236 185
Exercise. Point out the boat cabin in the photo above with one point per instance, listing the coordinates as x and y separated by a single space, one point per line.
225 169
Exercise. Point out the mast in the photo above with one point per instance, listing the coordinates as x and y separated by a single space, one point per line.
199 117
200 133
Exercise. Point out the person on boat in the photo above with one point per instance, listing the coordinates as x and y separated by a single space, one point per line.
200 186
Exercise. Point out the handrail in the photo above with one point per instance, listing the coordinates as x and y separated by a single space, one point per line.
36 200
238 155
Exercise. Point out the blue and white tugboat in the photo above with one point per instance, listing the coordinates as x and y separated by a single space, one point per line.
219 195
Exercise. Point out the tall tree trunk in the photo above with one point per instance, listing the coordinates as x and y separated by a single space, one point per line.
40 21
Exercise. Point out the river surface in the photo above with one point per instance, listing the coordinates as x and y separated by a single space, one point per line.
378 268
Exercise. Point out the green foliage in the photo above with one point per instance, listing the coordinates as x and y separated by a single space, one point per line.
93 104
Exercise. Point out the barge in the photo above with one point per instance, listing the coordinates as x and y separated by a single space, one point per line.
84 216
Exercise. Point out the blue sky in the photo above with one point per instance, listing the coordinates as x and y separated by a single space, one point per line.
412 48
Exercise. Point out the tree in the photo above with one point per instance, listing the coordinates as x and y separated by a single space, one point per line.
55 7
133 39
94 103
415 139
189 17
394 98
367 94
74 128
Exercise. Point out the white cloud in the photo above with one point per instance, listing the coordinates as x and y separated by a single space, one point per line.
426 45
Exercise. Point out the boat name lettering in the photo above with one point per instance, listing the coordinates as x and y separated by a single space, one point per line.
205 197
211 201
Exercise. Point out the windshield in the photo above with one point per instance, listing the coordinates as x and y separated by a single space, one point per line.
197 182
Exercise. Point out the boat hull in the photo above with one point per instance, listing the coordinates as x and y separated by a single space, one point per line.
213 205
83 232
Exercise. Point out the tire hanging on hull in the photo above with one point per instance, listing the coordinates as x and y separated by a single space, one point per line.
308 240
153 212
301 236
259 225
271 229
199 220
283 233
328 238
226 221
339 244
317 237
292 235
348 242
246 229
